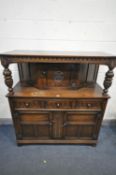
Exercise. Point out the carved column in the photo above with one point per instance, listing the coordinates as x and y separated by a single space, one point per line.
7 76
108 79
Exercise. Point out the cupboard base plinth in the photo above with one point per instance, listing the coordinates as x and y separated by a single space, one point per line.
84 142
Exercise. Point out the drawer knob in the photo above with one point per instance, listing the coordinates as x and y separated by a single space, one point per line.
89 105
58 105
27 104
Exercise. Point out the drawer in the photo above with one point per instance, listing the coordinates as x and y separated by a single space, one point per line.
87 104
32 103
59 104
28 103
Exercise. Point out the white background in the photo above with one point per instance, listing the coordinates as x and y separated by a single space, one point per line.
84 25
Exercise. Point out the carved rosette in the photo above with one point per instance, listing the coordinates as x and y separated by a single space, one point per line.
108 79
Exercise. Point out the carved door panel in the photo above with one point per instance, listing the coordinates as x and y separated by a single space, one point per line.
33 125
58 120
81 125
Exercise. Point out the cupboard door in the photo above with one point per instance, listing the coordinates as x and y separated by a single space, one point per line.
33 125
81 125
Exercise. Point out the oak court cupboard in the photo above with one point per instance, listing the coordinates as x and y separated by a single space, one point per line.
57 100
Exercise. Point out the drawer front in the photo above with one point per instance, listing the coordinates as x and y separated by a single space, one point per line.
87 104
59 104
31 103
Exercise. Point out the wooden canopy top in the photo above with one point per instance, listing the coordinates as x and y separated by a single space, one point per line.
28 56
56 53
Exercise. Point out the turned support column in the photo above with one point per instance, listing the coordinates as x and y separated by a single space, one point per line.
108 79
8 78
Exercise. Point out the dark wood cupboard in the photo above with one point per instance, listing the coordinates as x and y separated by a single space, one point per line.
57 99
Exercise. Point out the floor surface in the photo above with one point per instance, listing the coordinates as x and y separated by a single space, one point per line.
58 159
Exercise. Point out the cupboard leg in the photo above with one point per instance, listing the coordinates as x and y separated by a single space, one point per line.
108 79
19 144
94 145
8 78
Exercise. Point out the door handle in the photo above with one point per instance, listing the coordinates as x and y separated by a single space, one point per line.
65 124
50 123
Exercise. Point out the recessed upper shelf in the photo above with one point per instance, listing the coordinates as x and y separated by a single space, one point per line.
91 91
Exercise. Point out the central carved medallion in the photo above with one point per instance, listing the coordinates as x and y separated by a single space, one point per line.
58 76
